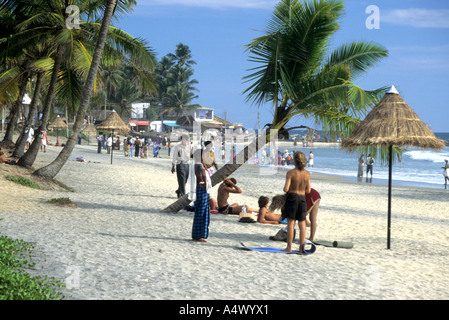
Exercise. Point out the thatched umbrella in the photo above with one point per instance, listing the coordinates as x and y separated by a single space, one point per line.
89 130
57 124
392 123
111 123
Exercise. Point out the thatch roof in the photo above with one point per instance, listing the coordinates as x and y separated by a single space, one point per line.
89 130
58 124
392 122
113 122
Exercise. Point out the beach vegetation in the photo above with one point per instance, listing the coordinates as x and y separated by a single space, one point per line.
22 181
18 284
56 200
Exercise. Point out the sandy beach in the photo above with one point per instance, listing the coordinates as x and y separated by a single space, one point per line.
119 245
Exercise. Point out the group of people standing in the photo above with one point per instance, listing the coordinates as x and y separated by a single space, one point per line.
369 168
132 146
107 142
295 208
30 139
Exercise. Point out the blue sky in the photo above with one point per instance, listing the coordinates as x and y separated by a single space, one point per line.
415 32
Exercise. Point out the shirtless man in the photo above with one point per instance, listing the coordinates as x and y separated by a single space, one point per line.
229 186
297 184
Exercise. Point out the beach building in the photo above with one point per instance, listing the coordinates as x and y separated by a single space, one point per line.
168 122
208 120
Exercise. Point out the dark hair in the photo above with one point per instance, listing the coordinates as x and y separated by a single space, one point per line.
233 180
207 143
263 201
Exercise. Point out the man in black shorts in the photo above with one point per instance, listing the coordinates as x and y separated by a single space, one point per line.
297 184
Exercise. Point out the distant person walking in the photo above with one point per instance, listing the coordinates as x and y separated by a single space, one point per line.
30 137
369 166
44 141
100 142
361 166
446 173
310 159
137 145
181 156
109 144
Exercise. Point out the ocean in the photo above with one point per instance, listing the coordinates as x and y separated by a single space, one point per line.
418 168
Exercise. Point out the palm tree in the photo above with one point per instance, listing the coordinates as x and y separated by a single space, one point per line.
295 74
125 95
51 170
72 48
175 86
182 56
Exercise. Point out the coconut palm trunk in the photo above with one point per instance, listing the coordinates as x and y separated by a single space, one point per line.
29 157
51 170
15 110
20 143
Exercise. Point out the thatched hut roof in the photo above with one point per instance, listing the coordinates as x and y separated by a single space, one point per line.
392 122
89 130
113 122
58 124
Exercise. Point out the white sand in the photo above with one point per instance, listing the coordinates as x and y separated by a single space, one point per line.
118 244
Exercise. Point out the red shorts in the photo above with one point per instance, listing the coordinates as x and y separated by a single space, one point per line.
311 199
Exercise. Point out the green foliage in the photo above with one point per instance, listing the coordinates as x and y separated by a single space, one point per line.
23 181
56 200
15 282
296 73
175 86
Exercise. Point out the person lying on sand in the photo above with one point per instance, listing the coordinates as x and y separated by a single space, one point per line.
226 187
264 215
312 201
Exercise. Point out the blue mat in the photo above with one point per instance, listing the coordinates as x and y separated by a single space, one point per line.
309 248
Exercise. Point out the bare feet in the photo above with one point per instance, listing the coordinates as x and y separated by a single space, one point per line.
199 240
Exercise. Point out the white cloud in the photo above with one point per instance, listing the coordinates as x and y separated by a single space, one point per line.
420 18
219 4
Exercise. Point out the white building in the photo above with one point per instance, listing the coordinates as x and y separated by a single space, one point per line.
139 109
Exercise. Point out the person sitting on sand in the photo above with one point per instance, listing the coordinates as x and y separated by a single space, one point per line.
313 199
264 215
213 205
4 160
226 187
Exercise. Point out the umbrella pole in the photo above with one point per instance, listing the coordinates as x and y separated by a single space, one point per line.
390 160
112 146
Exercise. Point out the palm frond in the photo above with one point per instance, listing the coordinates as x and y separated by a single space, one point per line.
360 56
